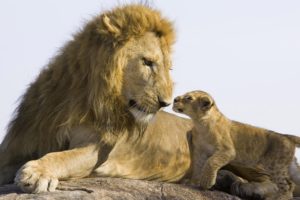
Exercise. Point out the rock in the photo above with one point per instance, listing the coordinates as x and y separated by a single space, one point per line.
116 189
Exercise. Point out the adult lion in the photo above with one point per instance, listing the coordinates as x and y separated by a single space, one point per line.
89 109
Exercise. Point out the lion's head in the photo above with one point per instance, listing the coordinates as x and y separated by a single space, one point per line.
142 40
147 85
133 57
113 73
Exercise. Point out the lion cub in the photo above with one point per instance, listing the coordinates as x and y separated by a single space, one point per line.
218 141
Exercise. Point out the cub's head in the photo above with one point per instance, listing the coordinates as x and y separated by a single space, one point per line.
195 104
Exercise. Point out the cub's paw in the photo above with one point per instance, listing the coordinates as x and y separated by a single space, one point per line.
185 181
34 178
206 181
254 190
190 182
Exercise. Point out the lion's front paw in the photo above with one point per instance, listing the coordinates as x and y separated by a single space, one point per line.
34 178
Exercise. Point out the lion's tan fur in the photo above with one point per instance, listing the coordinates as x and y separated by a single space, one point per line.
218 141
82 86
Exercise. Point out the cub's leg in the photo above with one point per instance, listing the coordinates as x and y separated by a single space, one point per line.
43 174
256 190
277 161
284 184
211 167
253 182
198 160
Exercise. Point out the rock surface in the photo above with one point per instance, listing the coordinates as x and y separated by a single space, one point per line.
116 189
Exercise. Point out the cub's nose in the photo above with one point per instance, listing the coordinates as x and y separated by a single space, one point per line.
176 99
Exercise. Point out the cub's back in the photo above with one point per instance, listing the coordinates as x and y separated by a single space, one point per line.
250 142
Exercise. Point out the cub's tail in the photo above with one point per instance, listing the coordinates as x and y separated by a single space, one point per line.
294 139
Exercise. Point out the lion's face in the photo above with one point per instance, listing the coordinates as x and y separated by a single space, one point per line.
147 85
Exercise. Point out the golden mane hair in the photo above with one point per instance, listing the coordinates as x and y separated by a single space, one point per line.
81 85
134 20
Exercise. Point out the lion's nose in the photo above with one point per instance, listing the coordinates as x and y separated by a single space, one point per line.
163 103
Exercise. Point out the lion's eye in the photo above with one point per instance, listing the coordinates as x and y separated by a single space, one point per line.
148 63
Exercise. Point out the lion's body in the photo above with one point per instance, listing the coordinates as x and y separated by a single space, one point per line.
165 147
90 96
218 141
168 156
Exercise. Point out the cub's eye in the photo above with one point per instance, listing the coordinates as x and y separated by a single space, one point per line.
148 63
188 98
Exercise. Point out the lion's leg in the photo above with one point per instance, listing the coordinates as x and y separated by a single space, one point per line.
43 174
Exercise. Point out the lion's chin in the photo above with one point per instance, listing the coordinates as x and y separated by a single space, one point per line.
140 116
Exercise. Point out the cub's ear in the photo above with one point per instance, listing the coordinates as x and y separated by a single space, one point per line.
205 103
109 26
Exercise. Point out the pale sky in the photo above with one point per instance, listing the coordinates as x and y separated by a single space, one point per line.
245 53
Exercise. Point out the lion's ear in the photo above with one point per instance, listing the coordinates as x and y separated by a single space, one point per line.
110 26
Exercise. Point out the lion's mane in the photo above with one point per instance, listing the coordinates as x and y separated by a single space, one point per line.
82 83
